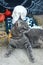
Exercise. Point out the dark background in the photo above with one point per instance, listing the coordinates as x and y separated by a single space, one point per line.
18 2
33 6
13 3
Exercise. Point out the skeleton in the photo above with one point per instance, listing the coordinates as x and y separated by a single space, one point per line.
19 39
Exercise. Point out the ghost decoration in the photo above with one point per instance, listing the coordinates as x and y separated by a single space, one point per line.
19 11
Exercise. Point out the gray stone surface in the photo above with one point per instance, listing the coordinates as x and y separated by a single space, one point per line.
19 57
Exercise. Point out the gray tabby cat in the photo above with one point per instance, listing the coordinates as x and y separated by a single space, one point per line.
19 39
36 37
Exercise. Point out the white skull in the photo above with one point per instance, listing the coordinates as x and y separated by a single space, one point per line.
19 11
